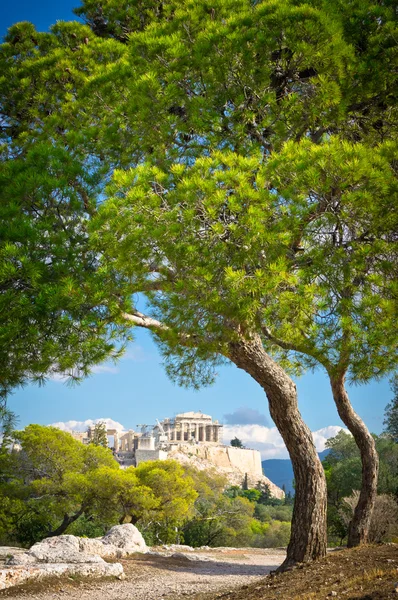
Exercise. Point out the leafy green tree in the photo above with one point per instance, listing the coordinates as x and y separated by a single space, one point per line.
391 413
49 484
174 491
98 435
270 535
58 484
229 244
265 492
119 495
223 521
51 301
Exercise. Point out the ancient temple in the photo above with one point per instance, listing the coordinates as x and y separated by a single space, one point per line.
194 427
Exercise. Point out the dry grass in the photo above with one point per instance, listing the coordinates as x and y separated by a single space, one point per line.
366 573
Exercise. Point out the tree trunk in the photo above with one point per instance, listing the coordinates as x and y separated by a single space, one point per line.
359 526
308 534
68 520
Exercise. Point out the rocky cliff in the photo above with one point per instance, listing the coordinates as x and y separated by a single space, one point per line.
234 463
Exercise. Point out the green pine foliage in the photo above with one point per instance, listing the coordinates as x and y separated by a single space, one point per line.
249 150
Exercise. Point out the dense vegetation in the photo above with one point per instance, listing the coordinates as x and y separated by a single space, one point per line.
55 484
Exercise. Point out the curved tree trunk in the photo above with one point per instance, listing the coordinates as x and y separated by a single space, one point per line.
308 534
359 526
67 520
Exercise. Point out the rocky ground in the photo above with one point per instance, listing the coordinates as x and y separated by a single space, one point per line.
161 577
369 573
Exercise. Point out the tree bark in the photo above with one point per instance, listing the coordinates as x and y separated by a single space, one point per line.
359 527
308 533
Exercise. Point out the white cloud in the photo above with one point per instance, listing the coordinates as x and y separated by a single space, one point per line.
104 369
83 425
96 369
268 440
136 353
322 435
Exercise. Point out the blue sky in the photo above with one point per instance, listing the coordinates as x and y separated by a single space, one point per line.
136 390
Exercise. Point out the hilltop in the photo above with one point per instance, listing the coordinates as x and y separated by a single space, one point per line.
236 464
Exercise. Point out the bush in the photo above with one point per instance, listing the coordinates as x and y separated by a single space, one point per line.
271 535
384 521
266 514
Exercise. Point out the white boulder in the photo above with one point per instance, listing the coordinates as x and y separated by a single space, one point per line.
125 537
61 549
68 554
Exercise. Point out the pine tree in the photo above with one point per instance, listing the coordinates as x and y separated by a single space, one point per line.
249 150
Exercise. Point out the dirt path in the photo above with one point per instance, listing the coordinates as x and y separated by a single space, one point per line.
151 577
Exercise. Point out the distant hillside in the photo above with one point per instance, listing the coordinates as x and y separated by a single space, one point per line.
280 471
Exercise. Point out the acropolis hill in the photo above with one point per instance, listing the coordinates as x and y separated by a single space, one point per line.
190 438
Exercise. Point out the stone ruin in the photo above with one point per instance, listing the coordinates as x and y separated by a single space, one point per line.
190 438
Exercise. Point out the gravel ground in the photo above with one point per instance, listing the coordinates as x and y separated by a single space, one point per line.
161 577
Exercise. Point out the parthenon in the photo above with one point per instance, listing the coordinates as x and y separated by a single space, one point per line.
189 427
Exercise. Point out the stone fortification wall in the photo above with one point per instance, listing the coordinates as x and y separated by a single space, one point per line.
233 463
142 455
245 460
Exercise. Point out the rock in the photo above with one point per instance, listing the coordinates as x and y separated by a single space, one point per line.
127 538
333 593
7 551
62 549
227 461
95 546
179 548
91 545
181 555
21 559
17 575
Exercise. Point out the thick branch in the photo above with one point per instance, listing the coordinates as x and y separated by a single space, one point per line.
141 320
296 348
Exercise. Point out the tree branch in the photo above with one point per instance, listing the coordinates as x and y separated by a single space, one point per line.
295 348
141 320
